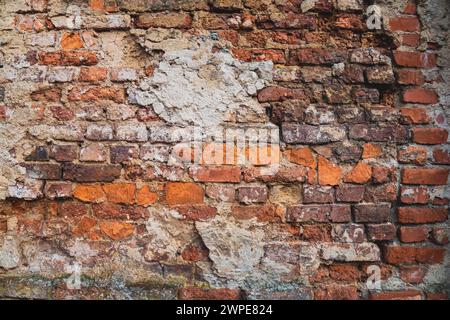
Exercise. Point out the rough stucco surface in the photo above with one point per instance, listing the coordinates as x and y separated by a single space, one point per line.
223 149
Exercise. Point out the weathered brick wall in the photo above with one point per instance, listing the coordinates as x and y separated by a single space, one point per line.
113 157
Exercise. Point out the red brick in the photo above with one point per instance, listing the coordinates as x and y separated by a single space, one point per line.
249 55
413 154
184 193
317 194
94 94
227 5
47 94
72 209
410 39
68 58
420 95
273 94
413 234
194 253
216 174
336 292
415 59
249 195
414 195
197 212
441 156
93 74
437 296
404 24
264 213
43 171
103 5
296 21
64 152
349 193
412 274
381 174
407 254
430 135
319 213
57 190
117 211
374 213
2 112
381 232
410 7
121 154
414 116
428 176
62 113
350 22
344 272
316 233
317 56
193 293
410 77
223 193
415 215
396 295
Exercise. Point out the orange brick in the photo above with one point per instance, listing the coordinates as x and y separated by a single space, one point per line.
361 173
302 156
117 230
329 173
84 226
89 193
146 197
97 94
184 193
71 41
371 150
120 192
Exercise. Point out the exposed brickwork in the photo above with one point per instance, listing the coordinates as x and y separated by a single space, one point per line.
102 162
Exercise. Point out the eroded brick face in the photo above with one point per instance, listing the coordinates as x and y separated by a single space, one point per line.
223 149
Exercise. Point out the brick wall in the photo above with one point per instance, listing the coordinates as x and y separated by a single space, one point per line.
128 149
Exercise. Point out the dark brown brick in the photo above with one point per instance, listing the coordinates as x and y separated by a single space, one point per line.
91 173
